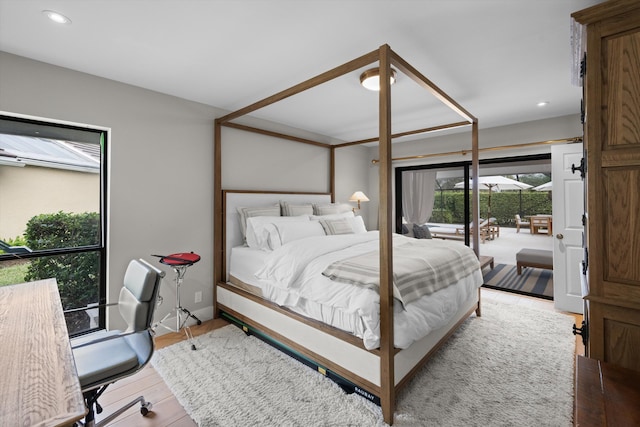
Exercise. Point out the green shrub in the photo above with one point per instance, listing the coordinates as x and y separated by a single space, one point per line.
76 274
449 206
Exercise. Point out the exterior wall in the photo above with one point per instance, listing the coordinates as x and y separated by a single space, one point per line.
32 190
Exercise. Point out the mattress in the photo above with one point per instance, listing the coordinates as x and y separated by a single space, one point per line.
349 307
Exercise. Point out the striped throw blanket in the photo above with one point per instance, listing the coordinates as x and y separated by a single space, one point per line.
420 267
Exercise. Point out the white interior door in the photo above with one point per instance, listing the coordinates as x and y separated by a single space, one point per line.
568 208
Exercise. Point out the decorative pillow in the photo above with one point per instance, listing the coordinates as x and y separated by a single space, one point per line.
337 226
251 212
342 215
296 210
286 232
421 231
333 208
257 232
407 229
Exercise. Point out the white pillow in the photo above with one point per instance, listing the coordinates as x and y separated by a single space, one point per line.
246 213
337 226
333 208
349 214
357 223
289 209
285 232
258 228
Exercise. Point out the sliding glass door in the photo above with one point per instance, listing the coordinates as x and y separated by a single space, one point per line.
438 197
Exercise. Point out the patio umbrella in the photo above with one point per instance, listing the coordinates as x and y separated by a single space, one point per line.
544 187
496 183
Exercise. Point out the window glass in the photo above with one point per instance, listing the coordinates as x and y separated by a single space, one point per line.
52 183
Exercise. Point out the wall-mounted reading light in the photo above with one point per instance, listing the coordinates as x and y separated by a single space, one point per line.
358 196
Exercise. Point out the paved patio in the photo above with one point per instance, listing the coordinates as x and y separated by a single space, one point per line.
504 248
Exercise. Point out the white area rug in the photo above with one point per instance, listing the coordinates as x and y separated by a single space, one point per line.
511 367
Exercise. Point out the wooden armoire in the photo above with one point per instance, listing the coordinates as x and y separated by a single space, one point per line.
611 84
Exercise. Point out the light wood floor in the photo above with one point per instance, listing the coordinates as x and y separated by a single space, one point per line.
167 411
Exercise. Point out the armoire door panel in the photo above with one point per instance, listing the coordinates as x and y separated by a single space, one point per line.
622 341
622 221
621 89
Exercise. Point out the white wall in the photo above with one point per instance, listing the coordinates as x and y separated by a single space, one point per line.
161 166
161 156
259 162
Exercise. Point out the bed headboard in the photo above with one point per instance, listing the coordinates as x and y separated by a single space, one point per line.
235 199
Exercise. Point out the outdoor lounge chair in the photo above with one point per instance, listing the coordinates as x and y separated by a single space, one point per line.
487 231
521 223
493 228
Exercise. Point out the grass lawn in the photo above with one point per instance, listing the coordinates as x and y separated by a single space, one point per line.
13 272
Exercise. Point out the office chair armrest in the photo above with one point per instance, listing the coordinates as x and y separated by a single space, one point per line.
105 336
73 310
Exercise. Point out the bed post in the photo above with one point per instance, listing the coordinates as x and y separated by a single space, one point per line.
475 197
387 375
475 194
218 244
332 173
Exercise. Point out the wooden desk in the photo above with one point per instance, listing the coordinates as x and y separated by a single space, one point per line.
39 384
606 395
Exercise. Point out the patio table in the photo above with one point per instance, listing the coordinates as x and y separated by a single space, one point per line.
536 222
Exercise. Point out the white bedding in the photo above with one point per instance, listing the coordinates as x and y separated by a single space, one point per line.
291 276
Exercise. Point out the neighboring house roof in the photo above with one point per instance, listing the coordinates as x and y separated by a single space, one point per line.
16 150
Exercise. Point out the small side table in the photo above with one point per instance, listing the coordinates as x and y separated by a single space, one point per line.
180 262
486 260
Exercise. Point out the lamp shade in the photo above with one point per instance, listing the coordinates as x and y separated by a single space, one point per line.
358 196
370 79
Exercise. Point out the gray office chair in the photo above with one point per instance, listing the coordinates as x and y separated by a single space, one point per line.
108 356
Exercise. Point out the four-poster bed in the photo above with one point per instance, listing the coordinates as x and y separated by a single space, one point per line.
373 373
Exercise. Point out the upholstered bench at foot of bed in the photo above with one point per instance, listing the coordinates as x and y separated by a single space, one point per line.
537 258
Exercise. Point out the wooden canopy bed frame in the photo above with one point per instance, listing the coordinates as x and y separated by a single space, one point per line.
380 372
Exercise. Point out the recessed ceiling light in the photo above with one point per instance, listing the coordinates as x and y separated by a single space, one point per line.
543 103
57 17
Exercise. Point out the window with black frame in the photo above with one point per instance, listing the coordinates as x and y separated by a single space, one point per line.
52 212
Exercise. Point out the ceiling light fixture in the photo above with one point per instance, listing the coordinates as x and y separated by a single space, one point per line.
57 17
543 103
370 79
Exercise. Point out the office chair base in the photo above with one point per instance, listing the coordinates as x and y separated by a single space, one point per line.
145 408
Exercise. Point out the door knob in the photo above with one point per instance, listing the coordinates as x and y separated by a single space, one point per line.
559 236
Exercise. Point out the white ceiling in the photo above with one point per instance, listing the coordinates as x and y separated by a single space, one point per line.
497 58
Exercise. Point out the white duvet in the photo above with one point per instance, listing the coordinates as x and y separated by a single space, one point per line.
292 276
